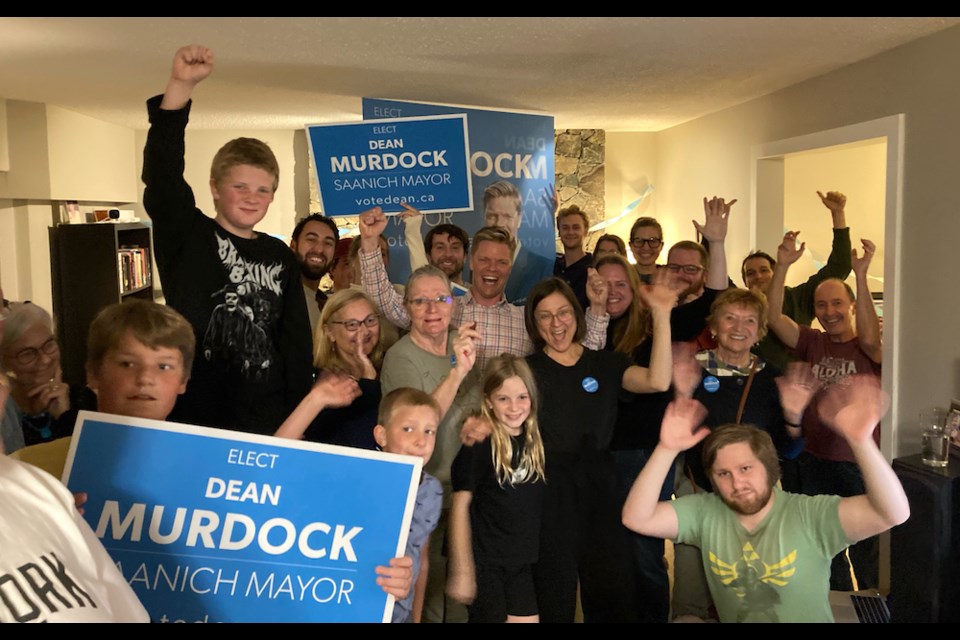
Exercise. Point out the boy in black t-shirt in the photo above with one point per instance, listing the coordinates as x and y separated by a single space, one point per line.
239 289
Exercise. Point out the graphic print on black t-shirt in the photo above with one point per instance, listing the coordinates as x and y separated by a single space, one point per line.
237 332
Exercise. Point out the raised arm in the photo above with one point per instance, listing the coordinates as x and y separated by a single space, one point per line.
714 230
191 65
660 299
596 314
779 323
461 574
412 221
682 428
331 390
373 274
796 387
853 409
465 355
838 262
868 325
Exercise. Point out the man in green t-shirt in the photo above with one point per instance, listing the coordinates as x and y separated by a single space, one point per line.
767 552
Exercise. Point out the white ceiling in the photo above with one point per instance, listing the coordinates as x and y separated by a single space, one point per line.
636 74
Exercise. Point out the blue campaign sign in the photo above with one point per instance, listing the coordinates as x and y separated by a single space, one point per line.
504 146
422 161
209 525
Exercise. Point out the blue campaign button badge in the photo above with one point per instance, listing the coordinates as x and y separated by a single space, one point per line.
711 384
590 385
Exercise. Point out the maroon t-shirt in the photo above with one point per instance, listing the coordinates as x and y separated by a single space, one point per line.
832 362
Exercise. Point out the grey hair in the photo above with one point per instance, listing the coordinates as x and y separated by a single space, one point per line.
20 319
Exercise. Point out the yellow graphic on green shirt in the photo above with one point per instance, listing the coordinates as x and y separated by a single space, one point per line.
753 580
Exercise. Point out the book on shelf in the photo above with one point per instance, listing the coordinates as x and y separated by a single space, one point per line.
133 268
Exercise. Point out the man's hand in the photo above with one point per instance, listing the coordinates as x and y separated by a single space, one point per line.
682 425
853 407
397 578
861 264
597 291
658 296
796 388
475 429
788 252
373 222
716 213
834 201
686 370
192 64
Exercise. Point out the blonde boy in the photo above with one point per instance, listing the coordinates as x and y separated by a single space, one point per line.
239 289
407 424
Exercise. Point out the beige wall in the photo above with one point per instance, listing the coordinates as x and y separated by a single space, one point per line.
712 155
859 171
631 162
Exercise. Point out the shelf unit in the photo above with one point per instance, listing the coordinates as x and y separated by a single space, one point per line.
93 266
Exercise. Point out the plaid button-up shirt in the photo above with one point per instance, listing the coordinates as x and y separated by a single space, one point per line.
501 325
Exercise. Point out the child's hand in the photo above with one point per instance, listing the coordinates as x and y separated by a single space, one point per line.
397 578
191 64
462 587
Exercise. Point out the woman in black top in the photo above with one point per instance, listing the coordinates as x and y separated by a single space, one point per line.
341 408
578 391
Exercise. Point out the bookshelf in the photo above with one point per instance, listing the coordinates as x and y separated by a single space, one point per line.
92 266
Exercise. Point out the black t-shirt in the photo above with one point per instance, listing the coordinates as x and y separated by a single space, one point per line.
350 426
578 404
639 414
242 296
505 520
762 410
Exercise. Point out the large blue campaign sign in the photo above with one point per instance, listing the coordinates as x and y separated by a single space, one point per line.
209 525
420 161
504 145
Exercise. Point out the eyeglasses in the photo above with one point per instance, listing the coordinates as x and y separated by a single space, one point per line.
545 317
419 303
653 243
371 321
32 354
689 269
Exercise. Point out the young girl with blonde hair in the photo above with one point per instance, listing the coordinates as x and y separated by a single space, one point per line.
497 502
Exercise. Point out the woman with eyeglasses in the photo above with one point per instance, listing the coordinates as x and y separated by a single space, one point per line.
439 359
40 401
341 408
581 538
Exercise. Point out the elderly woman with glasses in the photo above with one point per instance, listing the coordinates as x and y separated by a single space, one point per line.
39 406
439 359
341 408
